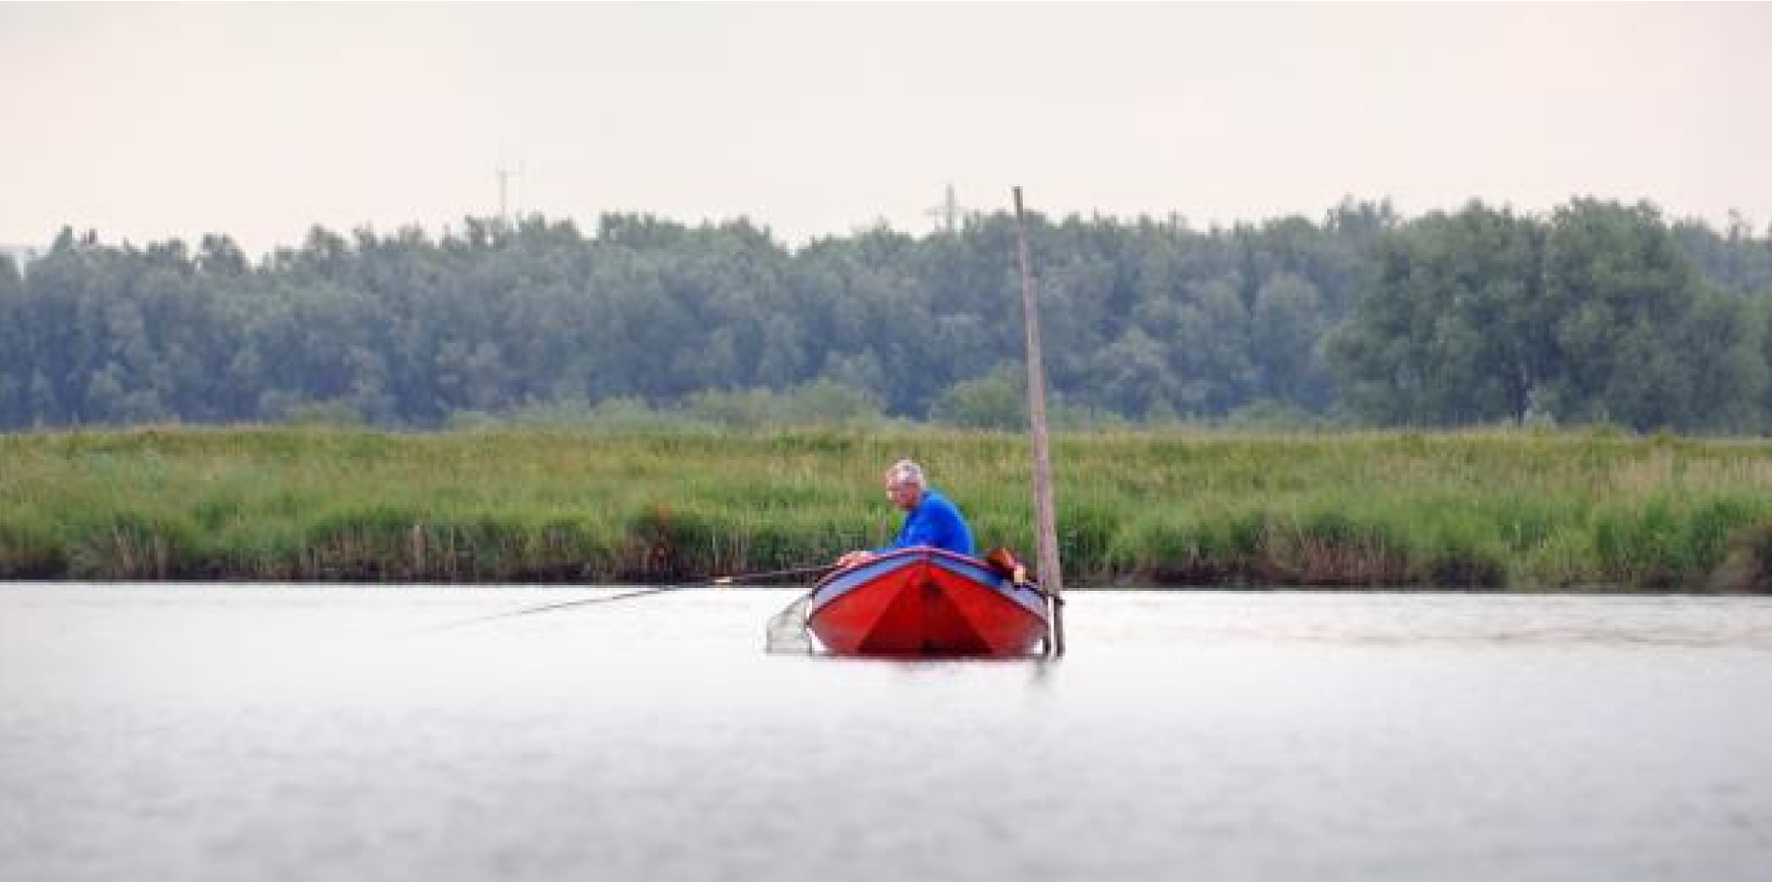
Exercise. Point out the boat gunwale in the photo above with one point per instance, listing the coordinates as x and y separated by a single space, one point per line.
965 566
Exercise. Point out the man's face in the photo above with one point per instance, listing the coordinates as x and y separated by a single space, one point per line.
904 494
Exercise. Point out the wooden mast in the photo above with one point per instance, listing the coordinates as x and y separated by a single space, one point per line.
1051 576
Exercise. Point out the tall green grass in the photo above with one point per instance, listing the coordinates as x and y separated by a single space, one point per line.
1487 510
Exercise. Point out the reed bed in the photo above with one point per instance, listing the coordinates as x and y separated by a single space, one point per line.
1495 510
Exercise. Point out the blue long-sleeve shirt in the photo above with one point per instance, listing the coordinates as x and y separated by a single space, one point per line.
934 522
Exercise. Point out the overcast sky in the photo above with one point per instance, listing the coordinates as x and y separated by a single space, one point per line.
150 121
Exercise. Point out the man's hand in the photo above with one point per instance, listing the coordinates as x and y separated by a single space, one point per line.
853 558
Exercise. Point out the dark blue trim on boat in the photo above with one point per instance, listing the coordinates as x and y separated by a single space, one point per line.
846 581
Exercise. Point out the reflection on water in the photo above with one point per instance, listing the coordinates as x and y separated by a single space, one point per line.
338 733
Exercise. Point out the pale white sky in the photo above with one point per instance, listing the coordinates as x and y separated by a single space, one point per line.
148 121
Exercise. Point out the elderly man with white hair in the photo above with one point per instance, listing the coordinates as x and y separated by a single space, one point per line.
930 519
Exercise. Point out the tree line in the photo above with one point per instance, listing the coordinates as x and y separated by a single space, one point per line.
1595 312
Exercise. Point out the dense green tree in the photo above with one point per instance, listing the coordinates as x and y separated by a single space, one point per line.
1210 349
1598 311
1450 328
1285 324
996 400
1617 289
15 358
1595 314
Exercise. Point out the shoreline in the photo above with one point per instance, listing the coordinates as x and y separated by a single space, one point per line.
1579 512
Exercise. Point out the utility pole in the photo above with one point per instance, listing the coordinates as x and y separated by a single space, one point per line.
505 173
947 214
1045 512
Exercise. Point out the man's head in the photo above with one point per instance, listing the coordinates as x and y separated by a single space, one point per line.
904 484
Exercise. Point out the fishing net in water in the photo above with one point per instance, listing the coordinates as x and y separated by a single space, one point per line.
787 629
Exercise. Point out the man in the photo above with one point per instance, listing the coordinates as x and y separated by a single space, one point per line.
930 519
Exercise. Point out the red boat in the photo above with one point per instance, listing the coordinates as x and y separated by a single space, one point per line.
926 601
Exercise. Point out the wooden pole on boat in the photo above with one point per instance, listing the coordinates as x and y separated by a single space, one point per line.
1051 576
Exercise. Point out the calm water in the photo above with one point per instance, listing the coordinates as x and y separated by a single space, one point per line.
239 733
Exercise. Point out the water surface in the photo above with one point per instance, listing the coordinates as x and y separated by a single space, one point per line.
301 733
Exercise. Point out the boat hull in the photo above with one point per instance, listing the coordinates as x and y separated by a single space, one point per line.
925 602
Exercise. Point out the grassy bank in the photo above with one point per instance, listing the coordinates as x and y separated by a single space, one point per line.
1520 511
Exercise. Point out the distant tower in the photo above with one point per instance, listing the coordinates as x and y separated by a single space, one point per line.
505 173
947 214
